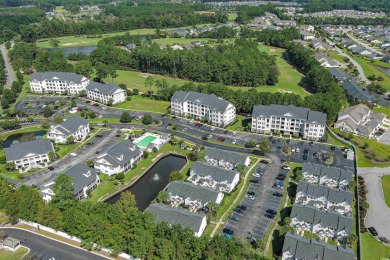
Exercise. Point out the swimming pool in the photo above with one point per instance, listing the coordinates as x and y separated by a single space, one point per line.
146 140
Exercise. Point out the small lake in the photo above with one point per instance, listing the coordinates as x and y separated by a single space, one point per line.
11 138
153 181
82 49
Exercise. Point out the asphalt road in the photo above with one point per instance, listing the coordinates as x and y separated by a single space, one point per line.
365 45
8 67
378 215
45 248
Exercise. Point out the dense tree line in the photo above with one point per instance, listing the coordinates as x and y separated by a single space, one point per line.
9 96
361 5
120 226
3 76
281 39
219 33
240 64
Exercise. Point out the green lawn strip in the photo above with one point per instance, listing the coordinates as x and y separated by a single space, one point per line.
108 187
10 255
335 55
370 69
382 109
386 188
232 16
209 229
145 104
380 151
240 125
372 248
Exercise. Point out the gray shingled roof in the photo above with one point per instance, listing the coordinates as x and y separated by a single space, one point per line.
338 74
330 172
192 191
302 113
303 213
217 173
120 153
19 150
66 76
176 216
311 249
106 89
214 102
231 157
82 176
71 125
317 191
355 91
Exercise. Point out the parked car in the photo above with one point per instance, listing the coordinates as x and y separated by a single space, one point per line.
73 154
373 231
264 161
293 150
254 180
256 174
333 148
238 210
279 183
250 197
227 236
251 193
184 129
281 177
277 194
228 231
243 207
271 216
51 168
277 187
297 150
384 240
212 128
221 139
286 167
234 133
226 132
234 141
235 218
271 211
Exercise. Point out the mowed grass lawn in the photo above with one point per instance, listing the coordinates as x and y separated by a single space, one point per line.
145 104
382 109
386 188
370 69
10 255
373 249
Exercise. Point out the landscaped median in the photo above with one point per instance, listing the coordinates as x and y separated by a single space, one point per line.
386 189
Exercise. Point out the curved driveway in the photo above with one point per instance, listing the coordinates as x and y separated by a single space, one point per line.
378 215
45 248
8 68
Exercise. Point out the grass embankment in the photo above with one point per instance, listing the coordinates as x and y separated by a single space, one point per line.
145 104
108 187
372 248
386 189
240 125
370 69
10 255
375 155
383 110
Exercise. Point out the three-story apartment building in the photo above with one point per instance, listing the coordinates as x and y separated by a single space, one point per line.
106 93
75 126
215 110
289 120
57 82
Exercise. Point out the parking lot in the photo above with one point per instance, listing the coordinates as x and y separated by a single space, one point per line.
253 221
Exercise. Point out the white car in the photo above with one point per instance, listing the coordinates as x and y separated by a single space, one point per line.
234 133
256 174
73 154
251 197
210 136
297 150
234 141
286 167
293 149
212 128
184 129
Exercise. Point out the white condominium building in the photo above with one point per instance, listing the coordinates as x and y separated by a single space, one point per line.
75 126
57 82
106 93
215 110
289 120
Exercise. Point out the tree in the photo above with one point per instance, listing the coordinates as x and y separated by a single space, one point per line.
350 239
10 166
70 140
240 168
250 144
175 176
145 154
149 82
58 119
45 124
90 163
155 150
163 196
47 112
205 137
63 192
125 117
83 93
126 201
265 146
147 119
84 68
213 208
54 42
193 156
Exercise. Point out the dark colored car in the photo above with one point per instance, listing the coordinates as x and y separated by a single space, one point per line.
271 216
271 211
99 136
228 231
97 152
238 210
226 132
277 194
305 157
333 148
264 161
254 181
235 218
373 231
315 154
281 177
251 193
51 168
243 207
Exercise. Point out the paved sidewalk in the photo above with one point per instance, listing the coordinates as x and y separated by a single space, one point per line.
378 215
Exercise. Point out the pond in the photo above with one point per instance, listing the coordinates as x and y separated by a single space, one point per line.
82 49
11 138
153 181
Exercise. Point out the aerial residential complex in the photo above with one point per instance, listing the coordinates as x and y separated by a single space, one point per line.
84 179
178 216
106 93
57 82
120 157
225 159
289 120
327 176
361 120
75 126
72 84
211 108
29 155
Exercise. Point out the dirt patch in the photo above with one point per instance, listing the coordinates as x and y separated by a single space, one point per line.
272 50
284 91
145 75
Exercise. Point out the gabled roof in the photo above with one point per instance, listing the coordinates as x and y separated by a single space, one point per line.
19 150
356 112
70 125
355 91
177 216
105 89
214 102
217 173
312 249
330 172
65 76
231 157
192 191
338 74
318 191
120 153
294 112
